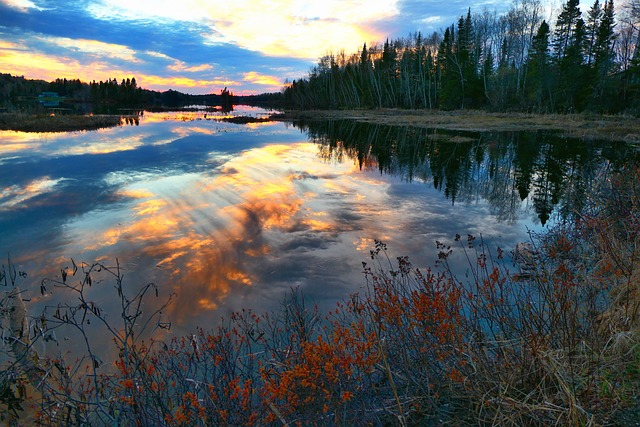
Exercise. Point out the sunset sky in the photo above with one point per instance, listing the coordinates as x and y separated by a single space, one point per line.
201 46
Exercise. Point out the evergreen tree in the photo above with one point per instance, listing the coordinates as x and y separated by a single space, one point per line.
566 25
605 36
538 70
449 74
568 45
604 62
509 62
591 28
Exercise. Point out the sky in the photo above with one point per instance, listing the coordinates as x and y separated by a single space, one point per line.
202 46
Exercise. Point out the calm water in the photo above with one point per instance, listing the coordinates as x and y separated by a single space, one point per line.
232 216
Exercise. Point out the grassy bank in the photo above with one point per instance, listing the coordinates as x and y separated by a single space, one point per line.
613 128
56 122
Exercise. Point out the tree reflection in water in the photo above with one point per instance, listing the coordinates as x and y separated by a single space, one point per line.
547 172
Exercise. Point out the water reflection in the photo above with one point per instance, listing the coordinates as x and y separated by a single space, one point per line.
503 168
231 216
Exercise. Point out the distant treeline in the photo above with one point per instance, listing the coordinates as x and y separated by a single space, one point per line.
511 61
111 95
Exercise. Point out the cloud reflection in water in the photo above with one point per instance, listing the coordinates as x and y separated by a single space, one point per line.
228 219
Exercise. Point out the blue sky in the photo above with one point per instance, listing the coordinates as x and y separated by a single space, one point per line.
202 46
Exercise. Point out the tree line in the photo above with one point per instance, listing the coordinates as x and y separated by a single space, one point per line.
512 61
125 94
110 95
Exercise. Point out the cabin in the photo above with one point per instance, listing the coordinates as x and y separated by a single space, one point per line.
49 99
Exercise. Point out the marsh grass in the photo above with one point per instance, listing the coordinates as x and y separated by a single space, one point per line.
555 343
585 126
56 122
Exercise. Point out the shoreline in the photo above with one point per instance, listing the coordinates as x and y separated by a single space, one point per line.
586 126
610 128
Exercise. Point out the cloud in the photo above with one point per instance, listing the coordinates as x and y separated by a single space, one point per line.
262 79
141 9
180 66
37 65
21 5
14 195
177 82
93 48
251 46
293 28
430 20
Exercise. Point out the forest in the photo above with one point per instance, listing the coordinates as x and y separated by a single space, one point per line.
107 97
516 61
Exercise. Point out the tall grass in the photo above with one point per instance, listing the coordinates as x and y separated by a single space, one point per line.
545 336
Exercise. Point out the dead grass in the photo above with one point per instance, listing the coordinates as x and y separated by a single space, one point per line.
612 128
56 123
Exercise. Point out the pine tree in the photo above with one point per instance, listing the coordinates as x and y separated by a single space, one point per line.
538 67
605 36
604 59
591 28
449 75
566 28
568 46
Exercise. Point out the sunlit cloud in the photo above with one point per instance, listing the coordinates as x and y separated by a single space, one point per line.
262 79
93 47
247 205
101 146
180 66
21 5
18 142
432 20
261 125
163 83
36 65
48 67
149 207
135 193
12 196
9 45
159 55
300 29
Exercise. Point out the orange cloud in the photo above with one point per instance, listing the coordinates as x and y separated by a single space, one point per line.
14 195
153 82
205 265
262 79
91 64
94 48
38 65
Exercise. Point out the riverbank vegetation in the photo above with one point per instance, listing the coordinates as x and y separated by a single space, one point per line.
515 61
53 122
61 122
619 127
544 335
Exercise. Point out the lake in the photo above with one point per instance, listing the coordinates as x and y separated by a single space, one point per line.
233 216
